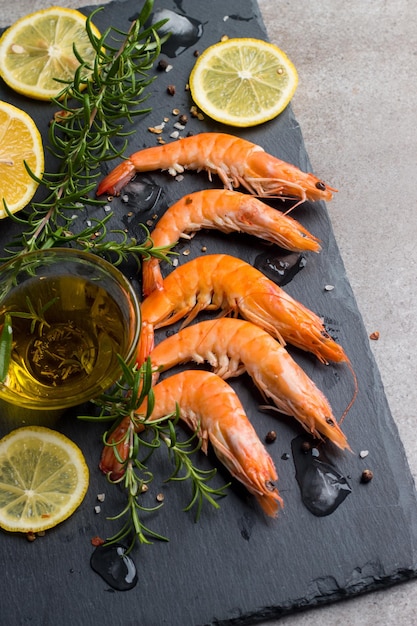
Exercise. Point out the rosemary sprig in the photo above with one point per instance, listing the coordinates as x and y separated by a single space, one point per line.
181 452
85 131
6 343
36 316
141 434
91 115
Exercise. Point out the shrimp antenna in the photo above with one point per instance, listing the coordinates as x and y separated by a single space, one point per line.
355 392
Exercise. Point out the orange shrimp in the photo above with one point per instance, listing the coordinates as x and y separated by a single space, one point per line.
226 211
232 346
236 161
209 406
221 281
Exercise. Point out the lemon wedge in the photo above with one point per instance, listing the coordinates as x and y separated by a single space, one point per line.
43 479
243 81
20 143
39 48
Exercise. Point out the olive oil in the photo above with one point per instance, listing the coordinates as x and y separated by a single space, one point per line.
67 332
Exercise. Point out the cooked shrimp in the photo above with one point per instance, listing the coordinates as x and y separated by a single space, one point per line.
226 211
236 161
220 281
210 407
233 346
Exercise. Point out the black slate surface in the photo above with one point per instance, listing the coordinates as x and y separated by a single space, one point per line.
234 566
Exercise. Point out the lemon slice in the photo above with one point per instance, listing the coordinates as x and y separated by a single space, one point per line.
243 82
20 143
43 479
38 49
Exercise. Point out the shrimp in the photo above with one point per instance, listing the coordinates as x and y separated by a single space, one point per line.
221 281
211 408
236 161
226 211
232 347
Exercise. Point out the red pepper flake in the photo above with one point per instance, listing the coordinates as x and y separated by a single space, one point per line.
374 336
97 541
45 515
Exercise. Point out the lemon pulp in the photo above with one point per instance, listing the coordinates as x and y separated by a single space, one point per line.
243 81
38 49
20 143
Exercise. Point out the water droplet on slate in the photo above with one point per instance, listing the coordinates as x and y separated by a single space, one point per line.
114 566
280 267
323 488
141 195
185 31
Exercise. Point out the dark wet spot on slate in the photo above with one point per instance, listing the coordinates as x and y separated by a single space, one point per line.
323 488
280 267
184 31
246 525
114 566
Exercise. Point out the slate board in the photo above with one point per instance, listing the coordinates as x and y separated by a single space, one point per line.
234 566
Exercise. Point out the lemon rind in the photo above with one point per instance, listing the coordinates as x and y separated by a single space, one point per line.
75 499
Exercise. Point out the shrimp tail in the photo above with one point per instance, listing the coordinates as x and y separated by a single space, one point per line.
152 278
115 452
146 343
117 179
